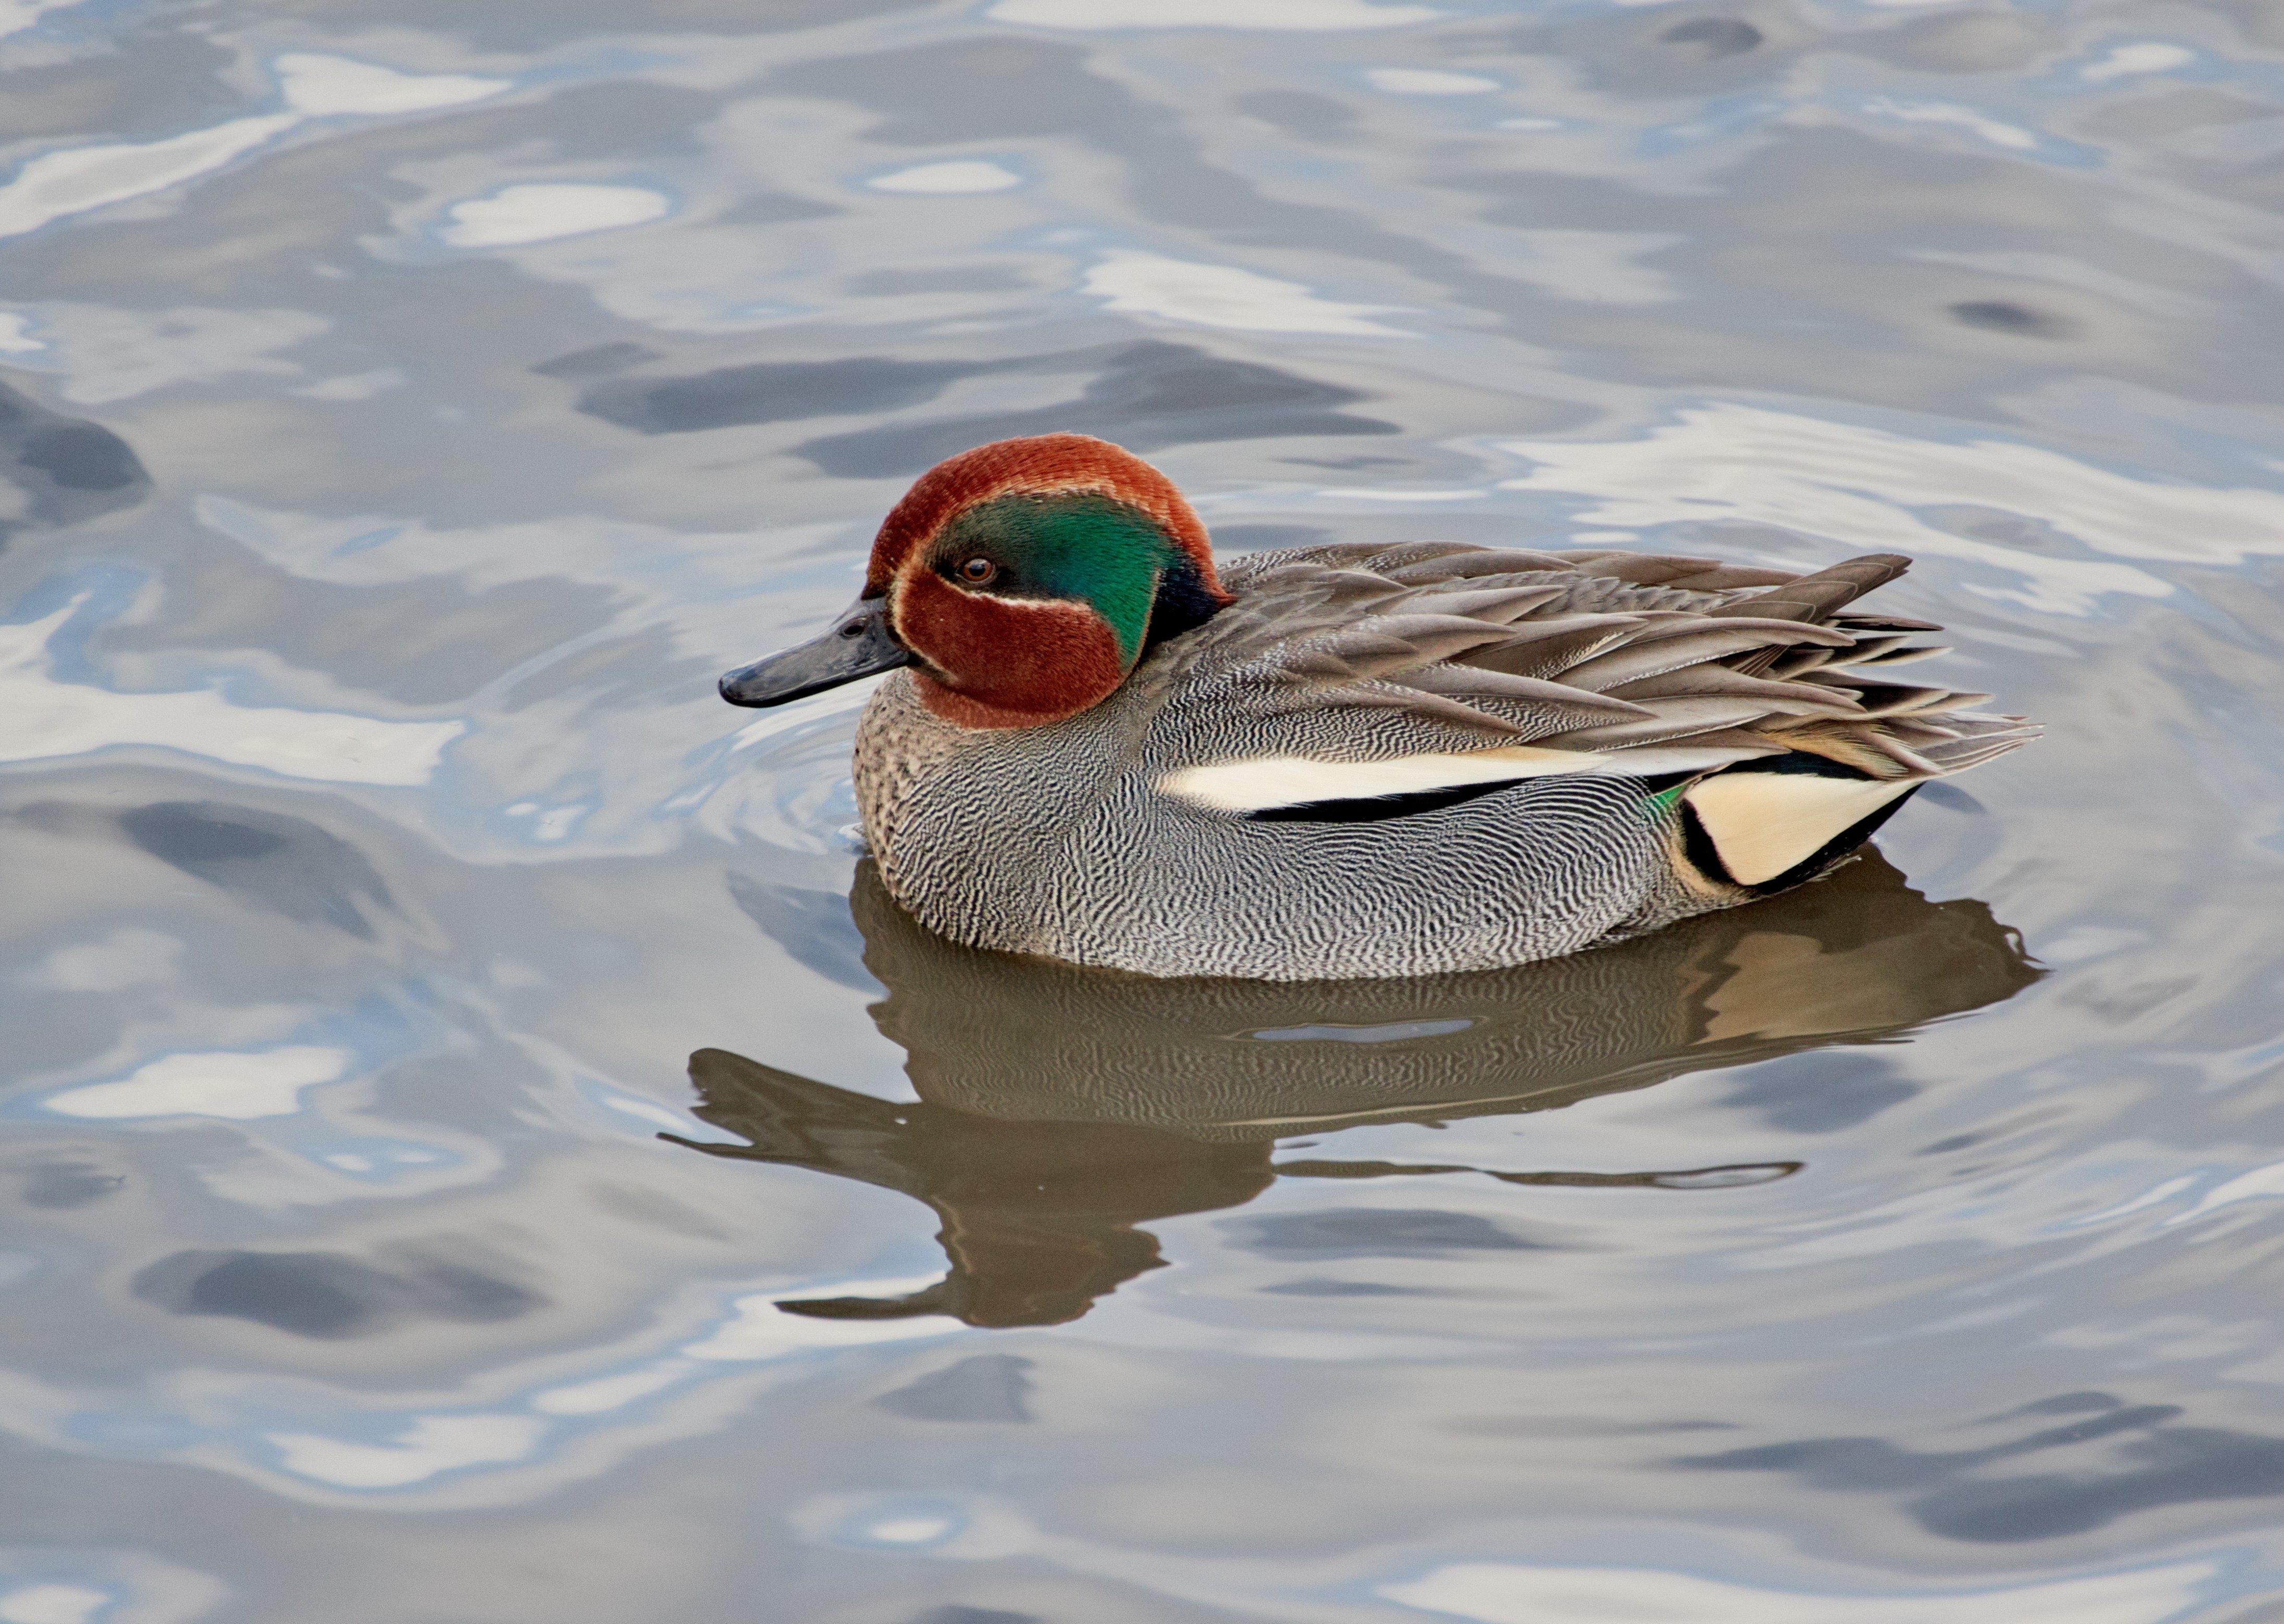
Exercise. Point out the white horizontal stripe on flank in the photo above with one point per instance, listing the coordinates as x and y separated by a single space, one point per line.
1260 782
1265 780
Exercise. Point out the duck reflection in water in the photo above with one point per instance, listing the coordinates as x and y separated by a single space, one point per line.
1062 1107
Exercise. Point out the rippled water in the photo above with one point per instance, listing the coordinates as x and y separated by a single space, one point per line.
411 407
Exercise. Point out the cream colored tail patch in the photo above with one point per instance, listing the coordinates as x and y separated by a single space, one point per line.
1764 823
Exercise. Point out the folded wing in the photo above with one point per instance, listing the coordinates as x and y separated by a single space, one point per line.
1403 675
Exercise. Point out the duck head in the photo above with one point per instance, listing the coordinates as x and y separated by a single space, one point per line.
1022 581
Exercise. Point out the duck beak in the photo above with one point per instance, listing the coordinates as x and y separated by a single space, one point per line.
859 644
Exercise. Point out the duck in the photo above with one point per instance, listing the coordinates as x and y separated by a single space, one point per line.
1095 744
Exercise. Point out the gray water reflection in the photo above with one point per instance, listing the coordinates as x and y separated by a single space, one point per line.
1061 1107
2162 1464
407 409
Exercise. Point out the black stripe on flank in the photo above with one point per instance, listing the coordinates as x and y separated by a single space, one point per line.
1377 809
1802 764
1698 847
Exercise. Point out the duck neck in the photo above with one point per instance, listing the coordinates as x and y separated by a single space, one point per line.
1184 602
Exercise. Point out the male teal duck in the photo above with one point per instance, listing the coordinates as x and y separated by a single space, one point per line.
1352 760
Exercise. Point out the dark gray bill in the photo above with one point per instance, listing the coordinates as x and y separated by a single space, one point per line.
859 644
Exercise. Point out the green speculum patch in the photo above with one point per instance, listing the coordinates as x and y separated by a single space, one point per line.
1078 545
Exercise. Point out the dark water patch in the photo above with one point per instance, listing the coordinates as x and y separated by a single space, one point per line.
1148 395
1342 1288
2148 1462
1299 112
1624 51
427 641
327 1295
69 469
62 1185
145 85
1821 1093
776 208
2062 1404
287 865
812 926
1715 36
987 1387
955 1613
774 392
2005 316
1952 797
80 456
597 360
1373 1232
2010 530
1143 395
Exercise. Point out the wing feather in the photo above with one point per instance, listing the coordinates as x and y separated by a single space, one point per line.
1643 664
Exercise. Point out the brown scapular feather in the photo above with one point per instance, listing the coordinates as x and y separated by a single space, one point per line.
1596 651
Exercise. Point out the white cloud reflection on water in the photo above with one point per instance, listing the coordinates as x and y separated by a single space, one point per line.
1225 296
1505 1593
48 1584
262 1084
80 178
1834 478
103 354
75 179
957 178
18 15
1427 82
1302 16
541 213
323 86
52 1603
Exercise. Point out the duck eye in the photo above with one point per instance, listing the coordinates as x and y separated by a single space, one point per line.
978 572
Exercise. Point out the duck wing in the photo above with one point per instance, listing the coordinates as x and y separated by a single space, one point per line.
1363 672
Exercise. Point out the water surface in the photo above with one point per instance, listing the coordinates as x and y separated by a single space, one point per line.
481 1147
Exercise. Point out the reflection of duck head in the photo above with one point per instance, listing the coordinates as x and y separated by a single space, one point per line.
1061 1106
